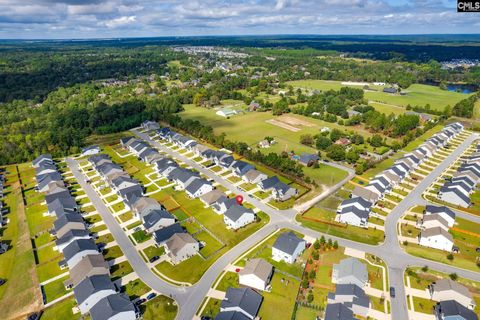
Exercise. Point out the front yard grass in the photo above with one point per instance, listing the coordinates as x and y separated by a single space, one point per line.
423 305
154 251
60 310
135 289
159 308
229 280
280 302
212 308
112 253
120 269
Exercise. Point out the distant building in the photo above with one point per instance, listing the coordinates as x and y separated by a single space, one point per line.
256 274
90 150
350 271
287 247
225 112
436 238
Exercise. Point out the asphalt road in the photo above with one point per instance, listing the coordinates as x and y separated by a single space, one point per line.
190 298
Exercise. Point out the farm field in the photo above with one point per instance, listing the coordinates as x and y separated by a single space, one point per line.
416 94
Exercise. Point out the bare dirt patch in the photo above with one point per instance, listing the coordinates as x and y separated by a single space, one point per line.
293 121
283 125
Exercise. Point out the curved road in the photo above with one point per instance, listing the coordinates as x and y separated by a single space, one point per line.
190 298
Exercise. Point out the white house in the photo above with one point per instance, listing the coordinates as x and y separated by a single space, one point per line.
436 238
180 247
90 150
446 213
254 176
92 289
256 274
226 112
198 188
238 216
113 307
287 247
454 196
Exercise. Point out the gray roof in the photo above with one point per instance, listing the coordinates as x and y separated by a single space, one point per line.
338 311
362 214
196 184
236 211
154 216
364 203
212 196
166 233
64 219
440 209
351 267
90 285
110 306
287 242
71 235
269 182
245 299
447 285
453 308
77 246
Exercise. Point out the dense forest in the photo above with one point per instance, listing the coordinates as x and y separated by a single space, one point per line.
53 95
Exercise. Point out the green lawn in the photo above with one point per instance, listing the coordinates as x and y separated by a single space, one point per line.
423 305
370 235
141 236
61 310
120 269
416 94
159 308
154 251
229 280
212 308
55 289
135 289
112 253
304 313
47 253
279 303
21 292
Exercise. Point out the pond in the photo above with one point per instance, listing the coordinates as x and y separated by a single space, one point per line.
462 88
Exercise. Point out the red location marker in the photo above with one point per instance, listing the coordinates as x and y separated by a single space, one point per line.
239 199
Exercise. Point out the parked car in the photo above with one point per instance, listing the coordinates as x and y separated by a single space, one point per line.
392 292
34 316
154 258
140 301
2 281
151 296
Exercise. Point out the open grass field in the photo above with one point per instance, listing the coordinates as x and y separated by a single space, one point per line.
476 110
416 94
246 128
61 310
279 303
20 295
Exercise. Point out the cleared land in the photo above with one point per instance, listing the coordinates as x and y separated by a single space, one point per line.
416 94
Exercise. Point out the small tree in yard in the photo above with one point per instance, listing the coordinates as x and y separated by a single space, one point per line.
425 269
322 240
329 243
312 274
335 244
316 244
310 298
315 255
305 283
453 276
450 256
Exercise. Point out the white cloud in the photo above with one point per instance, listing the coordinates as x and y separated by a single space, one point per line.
119 22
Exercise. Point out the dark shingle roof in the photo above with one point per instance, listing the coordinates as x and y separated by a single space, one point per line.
236 211
453 308
155 216
287 242
90 285
338 311
166 233
110 306
78 246
245 299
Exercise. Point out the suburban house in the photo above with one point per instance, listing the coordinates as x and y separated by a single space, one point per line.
308 159
240 300
433 220
353 216
92 289
366 194
143 205
238 216
268 183
60 204
254 176
283 192
455 195
198 188
150 125
446 213
125 142
42 159
68 222
357 202
90 265
90 150
436 238
69 237
181 246
350 271
76 250
182 177
211 197
199 149
44 181
165 166
338 311
157 219
225 112
446 289
287 247
452 310
239 168
113 307
223 204
352 296
163 234
256 274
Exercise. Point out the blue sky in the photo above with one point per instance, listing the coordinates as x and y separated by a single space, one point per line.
33 19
